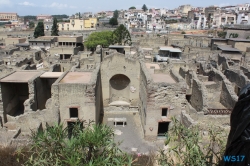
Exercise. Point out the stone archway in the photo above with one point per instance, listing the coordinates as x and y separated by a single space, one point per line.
119 88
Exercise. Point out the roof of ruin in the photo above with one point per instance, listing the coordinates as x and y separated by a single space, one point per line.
163 78
239 39
228 48
51 75
171 49
149 65
118 46
20 76
23 44
77 77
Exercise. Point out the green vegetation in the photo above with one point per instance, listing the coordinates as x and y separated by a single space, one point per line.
63 20
39 30
31 24
144 8
171 21
183 32
60 17
222 34
188 146
54 30
89 144
29 17
132 7
116 14
103 38
113 21
233 35
121 36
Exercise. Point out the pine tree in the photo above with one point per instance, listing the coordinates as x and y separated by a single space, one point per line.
39 31
121 36
54 30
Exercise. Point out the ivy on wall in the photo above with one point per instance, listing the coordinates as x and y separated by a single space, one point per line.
233 35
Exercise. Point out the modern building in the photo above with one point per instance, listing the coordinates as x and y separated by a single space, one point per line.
78 24
5 17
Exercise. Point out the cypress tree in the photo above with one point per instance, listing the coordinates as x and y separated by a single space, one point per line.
54 30
39 31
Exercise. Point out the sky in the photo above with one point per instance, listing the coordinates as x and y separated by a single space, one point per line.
69 7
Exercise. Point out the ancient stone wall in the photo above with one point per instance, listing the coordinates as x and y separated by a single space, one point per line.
228 98
176 76
222 61
55 68
198 98
120 65
144 80
79 96
162 95
152 42
237 77
246 71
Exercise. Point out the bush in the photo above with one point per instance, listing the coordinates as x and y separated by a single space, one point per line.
222 34
183 32
188 146
88 144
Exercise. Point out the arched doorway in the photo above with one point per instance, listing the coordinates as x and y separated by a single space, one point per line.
119 88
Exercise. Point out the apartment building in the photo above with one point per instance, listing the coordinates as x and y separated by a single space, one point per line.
90 22
78 24
8 16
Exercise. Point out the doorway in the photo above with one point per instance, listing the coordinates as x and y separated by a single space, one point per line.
162 128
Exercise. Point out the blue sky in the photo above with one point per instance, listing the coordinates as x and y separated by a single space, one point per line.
31 7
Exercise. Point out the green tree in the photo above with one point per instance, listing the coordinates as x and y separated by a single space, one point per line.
121 35
79 15
54 30
113 21
60 16
103 38
116 14
132 7
31 24
88 144
29 17
39 30
144 8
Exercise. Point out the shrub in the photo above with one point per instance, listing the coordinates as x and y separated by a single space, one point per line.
88 144
188 146
222 34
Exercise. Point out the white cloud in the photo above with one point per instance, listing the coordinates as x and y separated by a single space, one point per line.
60 6
5 2
25 3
